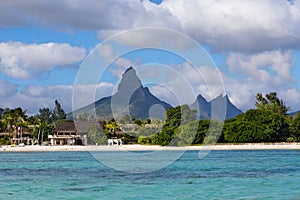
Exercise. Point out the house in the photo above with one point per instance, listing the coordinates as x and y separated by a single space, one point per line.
64 133
130 128
72 133
22 136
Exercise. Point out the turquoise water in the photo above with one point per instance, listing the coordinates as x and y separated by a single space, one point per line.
220 175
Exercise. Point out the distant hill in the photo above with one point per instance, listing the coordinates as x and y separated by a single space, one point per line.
295 113
131 94
205 107
138 99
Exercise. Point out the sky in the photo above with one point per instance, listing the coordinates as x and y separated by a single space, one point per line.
254 44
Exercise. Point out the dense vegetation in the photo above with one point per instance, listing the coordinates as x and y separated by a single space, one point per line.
14 121
269 122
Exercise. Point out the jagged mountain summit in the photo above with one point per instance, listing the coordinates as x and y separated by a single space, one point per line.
131 98
205 107
134 99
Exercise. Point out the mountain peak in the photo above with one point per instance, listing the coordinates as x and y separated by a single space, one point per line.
129 69
205 107
201 98
130 81
131 98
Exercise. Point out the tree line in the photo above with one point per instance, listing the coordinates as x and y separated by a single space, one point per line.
14 121
269 122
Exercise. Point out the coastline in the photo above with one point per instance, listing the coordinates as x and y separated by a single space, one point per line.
136 147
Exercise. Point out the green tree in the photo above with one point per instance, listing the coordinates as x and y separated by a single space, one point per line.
44 131
185 134
201 131
295 129
147 121
112 127
96 135
86 117
271 102
58 113
257 125
175 117
44 115
143 140
138 122
14 118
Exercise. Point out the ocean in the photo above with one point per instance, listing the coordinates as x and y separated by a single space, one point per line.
235 174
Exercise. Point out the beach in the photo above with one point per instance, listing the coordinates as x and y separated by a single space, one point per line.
136 147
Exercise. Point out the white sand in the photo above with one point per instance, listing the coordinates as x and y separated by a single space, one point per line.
279 146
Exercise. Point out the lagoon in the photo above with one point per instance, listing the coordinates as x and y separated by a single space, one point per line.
235 174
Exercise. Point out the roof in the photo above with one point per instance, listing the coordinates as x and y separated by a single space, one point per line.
83 126
78 126
64 127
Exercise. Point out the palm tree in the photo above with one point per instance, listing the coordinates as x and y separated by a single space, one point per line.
112 127
14 118
7 120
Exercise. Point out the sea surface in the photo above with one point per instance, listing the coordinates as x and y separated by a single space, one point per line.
253 174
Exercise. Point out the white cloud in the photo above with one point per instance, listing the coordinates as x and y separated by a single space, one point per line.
223 24
207 81
182 83
84 14
119 62
239 25
165 94
87 94
270 66
34 97
241 92
151 37
250 29
6 89
264 72
25 61
292 98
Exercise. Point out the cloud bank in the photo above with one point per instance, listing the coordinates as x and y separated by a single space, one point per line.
25 61
257 37
225 25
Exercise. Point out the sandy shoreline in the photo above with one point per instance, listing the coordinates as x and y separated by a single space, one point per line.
280 146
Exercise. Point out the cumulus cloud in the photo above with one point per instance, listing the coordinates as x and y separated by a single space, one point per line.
83 14
224 24
261 73
87 94
242 93
119 62
7 88
272 67
251 30
34 97
239 25
182 83
24 61
292 97
210 82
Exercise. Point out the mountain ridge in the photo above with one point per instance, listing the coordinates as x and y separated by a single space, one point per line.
134 99
205 107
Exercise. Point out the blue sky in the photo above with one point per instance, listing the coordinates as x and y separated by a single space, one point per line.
254 44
